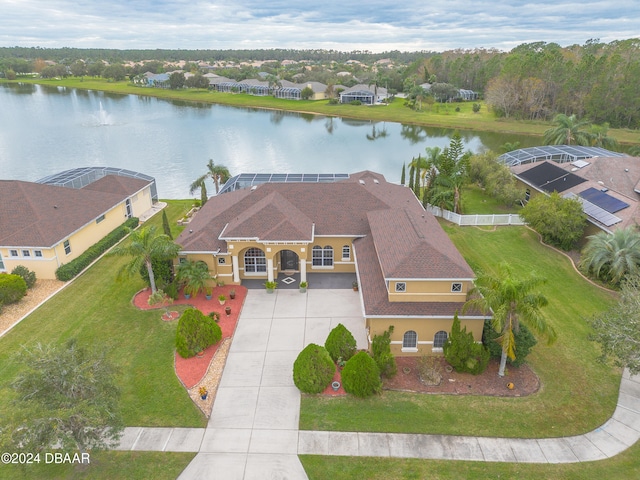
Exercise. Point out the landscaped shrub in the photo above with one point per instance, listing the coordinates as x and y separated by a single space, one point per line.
28 275
313 369
162 271
12 288
340 343
355 102
524 339
361 376
463 353
172 290
381 348
69 270
196 331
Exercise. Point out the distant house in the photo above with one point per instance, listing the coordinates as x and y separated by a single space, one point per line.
367 94
295 228
50 222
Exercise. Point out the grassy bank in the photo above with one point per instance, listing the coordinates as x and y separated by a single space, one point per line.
444 116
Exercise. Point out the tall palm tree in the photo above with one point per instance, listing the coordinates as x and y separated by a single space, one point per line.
512 300
600 137
613 256
200 184
568 130
144 245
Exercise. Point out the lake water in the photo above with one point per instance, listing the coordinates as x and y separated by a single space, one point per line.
45 130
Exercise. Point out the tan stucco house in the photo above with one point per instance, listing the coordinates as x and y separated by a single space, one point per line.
48 223
410 274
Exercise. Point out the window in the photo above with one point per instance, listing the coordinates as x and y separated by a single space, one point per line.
129 213
67 247
456 287
221 260
182 260
439 339
527 195
401 287
255 261
26 253
1 263
13 253
346 252
322 257
100 218
38 253
410 339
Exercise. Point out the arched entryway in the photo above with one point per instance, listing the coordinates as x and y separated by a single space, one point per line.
289 261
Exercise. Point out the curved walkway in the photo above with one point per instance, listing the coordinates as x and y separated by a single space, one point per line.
253 430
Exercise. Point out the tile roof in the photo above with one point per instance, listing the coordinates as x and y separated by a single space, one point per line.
40 215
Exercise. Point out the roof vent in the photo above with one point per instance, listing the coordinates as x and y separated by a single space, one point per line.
605 189
600 182
375 180
574 169
361 182
254 187
55 206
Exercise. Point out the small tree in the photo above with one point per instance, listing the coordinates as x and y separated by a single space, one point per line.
361 376
195 332
313 369
159 297
381 349
340 343
67 398
560 221
463 353
306 93
28 276
618 329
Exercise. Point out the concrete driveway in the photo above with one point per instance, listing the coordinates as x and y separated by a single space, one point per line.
253 429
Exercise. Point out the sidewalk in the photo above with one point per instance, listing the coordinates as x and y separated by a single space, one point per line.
253 430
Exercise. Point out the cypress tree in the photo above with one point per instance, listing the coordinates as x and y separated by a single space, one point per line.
402 177
165 225
411 174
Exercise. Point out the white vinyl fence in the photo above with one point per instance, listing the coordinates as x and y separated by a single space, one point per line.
494 219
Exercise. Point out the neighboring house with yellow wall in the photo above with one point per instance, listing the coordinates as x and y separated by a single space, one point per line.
44 224
410 274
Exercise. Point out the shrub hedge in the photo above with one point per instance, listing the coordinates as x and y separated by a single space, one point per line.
69 270
28 275
340 343
313 369
361 376
196 331
12 288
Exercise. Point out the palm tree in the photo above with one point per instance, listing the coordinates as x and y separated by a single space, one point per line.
218 173
512 300
144 245
613 256
194 276
568 130
199 183
600 137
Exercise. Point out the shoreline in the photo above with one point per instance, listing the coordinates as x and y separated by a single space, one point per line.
394 112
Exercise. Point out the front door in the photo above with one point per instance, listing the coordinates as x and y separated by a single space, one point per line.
288 260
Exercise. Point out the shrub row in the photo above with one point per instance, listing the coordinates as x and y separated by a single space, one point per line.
69 270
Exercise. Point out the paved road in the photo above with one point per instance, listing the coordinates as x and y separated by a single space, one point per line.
253 430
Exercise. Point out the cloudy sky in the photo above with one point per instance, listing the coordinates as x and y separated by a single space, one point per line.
373 25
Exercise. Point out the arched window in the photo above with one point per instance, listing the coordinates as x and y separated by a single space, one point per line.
255 261
322 257
410 339
439 339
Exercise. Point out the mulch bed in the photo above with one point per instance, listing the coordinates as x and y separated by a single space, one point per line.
524 380
190 371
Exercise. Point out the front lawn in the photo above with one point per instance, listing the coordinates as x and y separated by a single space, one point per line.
577 395
97 309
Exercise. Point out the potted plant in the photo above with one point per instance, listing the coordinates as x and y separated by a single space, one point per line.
222 299
220 283
232 294
355 286
194 276
227 310
271 286
202 391
208 293
303 287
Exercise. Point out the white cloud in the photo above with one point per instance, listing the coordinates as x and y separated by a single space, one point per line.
374 26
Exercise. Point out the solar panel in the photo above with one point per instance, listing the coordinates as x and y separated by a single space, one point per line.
550 177
603 200
595 212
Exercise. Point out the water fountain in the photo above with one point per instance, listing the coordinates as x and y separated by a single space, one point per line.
103 117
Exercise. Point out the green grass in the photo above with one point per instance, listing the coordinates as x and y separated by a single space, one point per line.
97 309
623 466
577 395
107 465
436 116
476 202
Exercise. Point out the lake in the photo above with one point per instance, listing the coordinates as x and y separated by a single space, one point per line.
45 130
